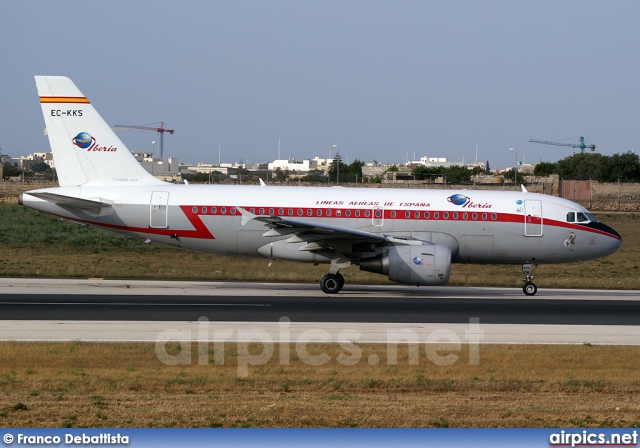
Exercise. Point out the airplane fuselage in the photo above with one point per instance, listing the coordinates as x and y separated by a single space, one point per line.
478 226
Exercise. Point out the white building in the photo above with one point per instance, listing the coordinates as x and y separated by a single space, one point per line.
434 162
301 166
162 169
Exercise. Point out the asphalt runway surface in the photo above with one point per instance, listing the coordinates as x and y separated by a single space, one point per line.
156 311
313 309
121 300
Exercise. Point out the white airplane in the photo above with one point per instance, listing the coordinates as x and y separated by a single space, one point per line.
412 236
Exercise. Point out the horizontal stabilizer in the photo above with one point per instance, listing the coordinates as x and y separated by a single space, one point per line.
70 201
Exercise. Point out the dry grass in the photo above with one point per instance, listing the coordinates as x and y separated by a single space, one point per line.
89 384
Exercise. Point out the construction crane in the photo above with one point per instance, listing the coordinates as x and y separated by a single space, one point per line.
159 129
582 145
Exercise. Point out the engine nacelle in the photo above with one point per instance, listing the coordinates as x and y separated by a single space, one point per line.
427 264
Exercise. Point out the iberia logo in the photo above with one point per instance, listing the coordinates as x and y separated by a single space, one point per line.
458 199
84 140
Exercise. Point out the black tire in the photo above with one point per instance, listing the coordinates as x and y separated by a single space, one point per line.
341 278
331 284
530 289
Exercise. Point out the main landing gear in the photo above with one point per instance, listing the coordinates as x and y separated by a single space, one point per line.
332 283
529 287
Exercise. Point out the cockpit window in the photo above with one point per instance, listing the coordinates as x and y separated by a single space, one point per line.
580 217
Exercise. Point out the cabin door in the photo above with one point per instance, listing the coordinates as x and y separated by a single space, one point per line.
532 218
159 209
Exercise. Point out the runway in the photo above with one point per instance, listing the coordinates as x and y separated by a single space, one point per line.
139 309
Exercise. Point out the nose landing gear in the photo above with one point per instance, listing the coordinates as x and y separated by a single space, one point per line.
529 287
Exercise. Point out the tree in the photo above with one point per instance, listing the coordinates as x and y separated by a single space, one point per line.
545 169
624 167
477 170
581 166
314 176
348 173
429 170
457 174
40 167
10 171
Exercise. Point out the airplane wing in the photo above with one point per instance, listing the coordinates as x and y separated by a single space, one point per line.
304 230
82 204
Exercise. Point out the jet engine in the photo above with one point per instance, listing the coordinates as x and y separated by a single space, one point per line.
427 264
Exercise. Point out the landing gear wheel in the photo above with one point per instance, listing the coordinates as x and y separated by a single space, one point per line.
341 278
530 289
332 283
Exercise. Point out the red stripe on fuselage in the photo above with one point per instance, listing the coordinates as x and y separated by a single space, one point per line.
201 231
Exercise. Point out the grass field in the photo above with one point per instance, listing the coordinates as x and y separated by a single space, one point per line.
125 385
35 244
80 384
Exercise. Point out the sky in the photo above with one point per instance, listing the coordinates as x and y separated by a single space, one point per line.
381 80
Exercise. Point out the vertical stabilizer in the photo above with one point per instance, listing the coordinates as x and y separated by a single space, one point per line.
85 149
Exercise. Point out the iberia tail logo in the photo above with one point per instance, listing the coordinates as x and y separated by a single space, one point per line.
84 140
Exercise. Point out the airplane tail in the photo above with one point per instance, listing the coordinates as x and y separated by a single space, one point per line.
85 149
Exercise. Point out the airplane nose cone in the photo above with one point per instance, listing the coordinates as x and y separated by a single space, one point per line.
614 240
613 244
